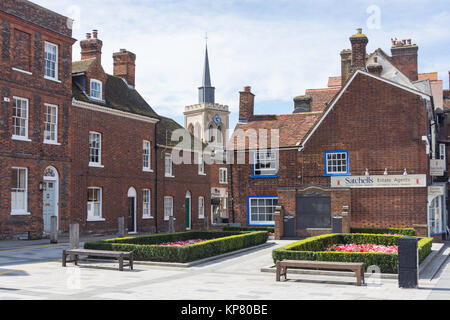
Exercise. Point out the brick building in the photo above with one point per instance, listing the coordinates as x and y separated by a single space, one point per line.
361 149
122 153
35 85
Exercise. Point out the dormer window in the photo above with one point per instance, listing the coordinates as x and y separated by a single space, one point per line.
96 89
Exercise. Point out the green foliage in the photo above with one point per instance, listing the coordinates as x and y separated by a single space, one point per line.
144 247
403 231
313 249
233 228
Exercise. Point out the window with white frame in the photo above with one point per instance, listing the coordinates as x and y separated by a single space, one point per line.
435 224
442 154
94 203
262 210
336 163
265 163
168 165
51 61
223 175
95 148
201 207
201 165
51 123
168 207
96 89
19 191
146 156
146 203
20 118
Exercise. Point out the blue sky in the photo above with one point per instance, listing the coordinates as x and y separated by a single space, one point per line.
279 47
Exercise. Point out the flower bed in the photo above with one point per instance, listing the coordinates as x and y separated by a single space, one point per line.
181 243
315 248
386 231
362 248
149 248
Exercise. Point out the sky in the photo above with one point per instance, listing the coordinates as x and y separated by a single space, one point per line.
278 47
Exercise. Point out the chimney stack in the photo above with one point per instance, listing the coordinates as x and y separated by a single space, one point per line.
346 61
91 47
246 104
359 44
125 66
404 57
302 104
374 67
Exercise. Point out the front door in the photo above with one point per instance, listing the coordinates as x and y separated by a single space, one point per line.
131 215
188 213
49 203
313 211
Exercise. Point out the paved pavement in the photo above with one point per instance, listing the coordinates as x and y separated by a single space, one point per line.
35 272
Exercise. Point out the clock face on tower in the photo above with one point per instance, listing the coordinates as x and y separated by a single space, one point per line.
217 119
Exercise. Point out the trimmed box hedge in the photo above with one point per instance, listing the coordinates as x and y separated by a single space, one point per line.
217 242
403 231
313 249
233 228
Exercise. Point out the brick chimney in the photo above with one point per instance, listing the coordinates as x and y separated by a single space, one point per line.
404 57
125 66
246 104
346 61
374 67
359 43
91 47
302 104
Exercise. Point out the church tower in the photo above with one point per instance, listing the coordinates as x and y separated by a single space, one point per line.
207 120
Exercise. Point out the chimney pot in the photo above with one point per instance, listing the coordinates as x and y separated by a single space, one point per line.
302 104
359 44
247 89
125 66
95 33
91 48
88 35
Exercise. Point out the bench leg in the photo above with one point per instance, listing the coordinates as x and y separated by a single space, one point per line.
64 261
278 272
76 259
358 278
284 272
121 263
131 261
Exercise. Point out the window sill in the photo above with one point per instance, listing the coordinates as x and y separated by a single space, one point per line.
96 165
97 99
147 217
336 174
147 170
201 218
54 143
22 71
167 176
95 219
261 225
202 174
20 213
264 176
167 219
20 138
52 79
223 182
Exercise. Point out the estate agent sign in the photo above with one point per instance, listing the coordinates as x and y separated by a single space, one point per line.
437 167
380 181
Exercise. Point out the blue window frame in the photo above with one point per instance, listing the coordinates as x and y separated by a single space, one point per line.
265 164
336 163
261 210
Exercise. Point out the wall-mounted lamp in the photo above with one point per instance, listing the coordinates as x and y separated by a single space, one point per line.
367 172
405 173
41 186
385 172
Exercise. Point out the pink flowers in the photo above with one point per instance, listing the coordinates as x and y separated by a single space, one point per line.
362 248
181 243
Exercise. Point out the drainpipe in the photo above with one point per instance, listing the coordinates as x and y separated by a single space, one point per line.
156 179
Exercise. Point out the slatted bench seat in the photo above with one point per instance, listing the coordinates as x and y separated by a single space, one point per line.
357 267
119 255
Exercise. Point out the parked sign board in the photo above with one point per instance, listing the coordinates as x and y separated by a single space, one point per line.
380 181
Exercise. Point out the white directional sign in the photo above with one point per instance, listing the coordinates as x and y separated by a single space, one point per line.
437 167
382 181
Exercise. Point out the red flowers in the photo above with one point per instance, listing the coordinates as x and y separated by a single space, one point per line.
362 248
181 243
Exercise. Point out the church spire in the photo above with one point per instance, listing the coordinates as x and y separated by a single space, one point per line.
206 91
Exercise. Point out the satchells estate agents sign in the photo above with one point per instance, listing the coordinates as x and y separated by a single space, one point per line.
384 181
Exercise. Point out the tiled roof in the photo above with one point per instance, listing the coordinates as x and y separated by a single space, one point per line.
320 97
292 129
119 96
164 130
82 66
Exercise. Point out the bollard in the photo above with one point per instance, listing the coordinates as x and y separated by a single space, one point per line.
171 229
53 229
74 235
408 262
206 223
337 224
121 227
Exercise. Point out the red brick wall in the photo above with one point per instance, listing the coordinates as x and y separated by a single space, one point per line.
34 154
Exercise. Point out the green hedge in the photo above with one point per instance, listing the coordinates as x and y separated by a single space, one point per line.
313 249
233 228
144 247
403 231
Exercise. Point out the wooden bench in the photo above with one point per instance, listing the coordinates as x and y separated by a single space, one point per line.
357 267
119 255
